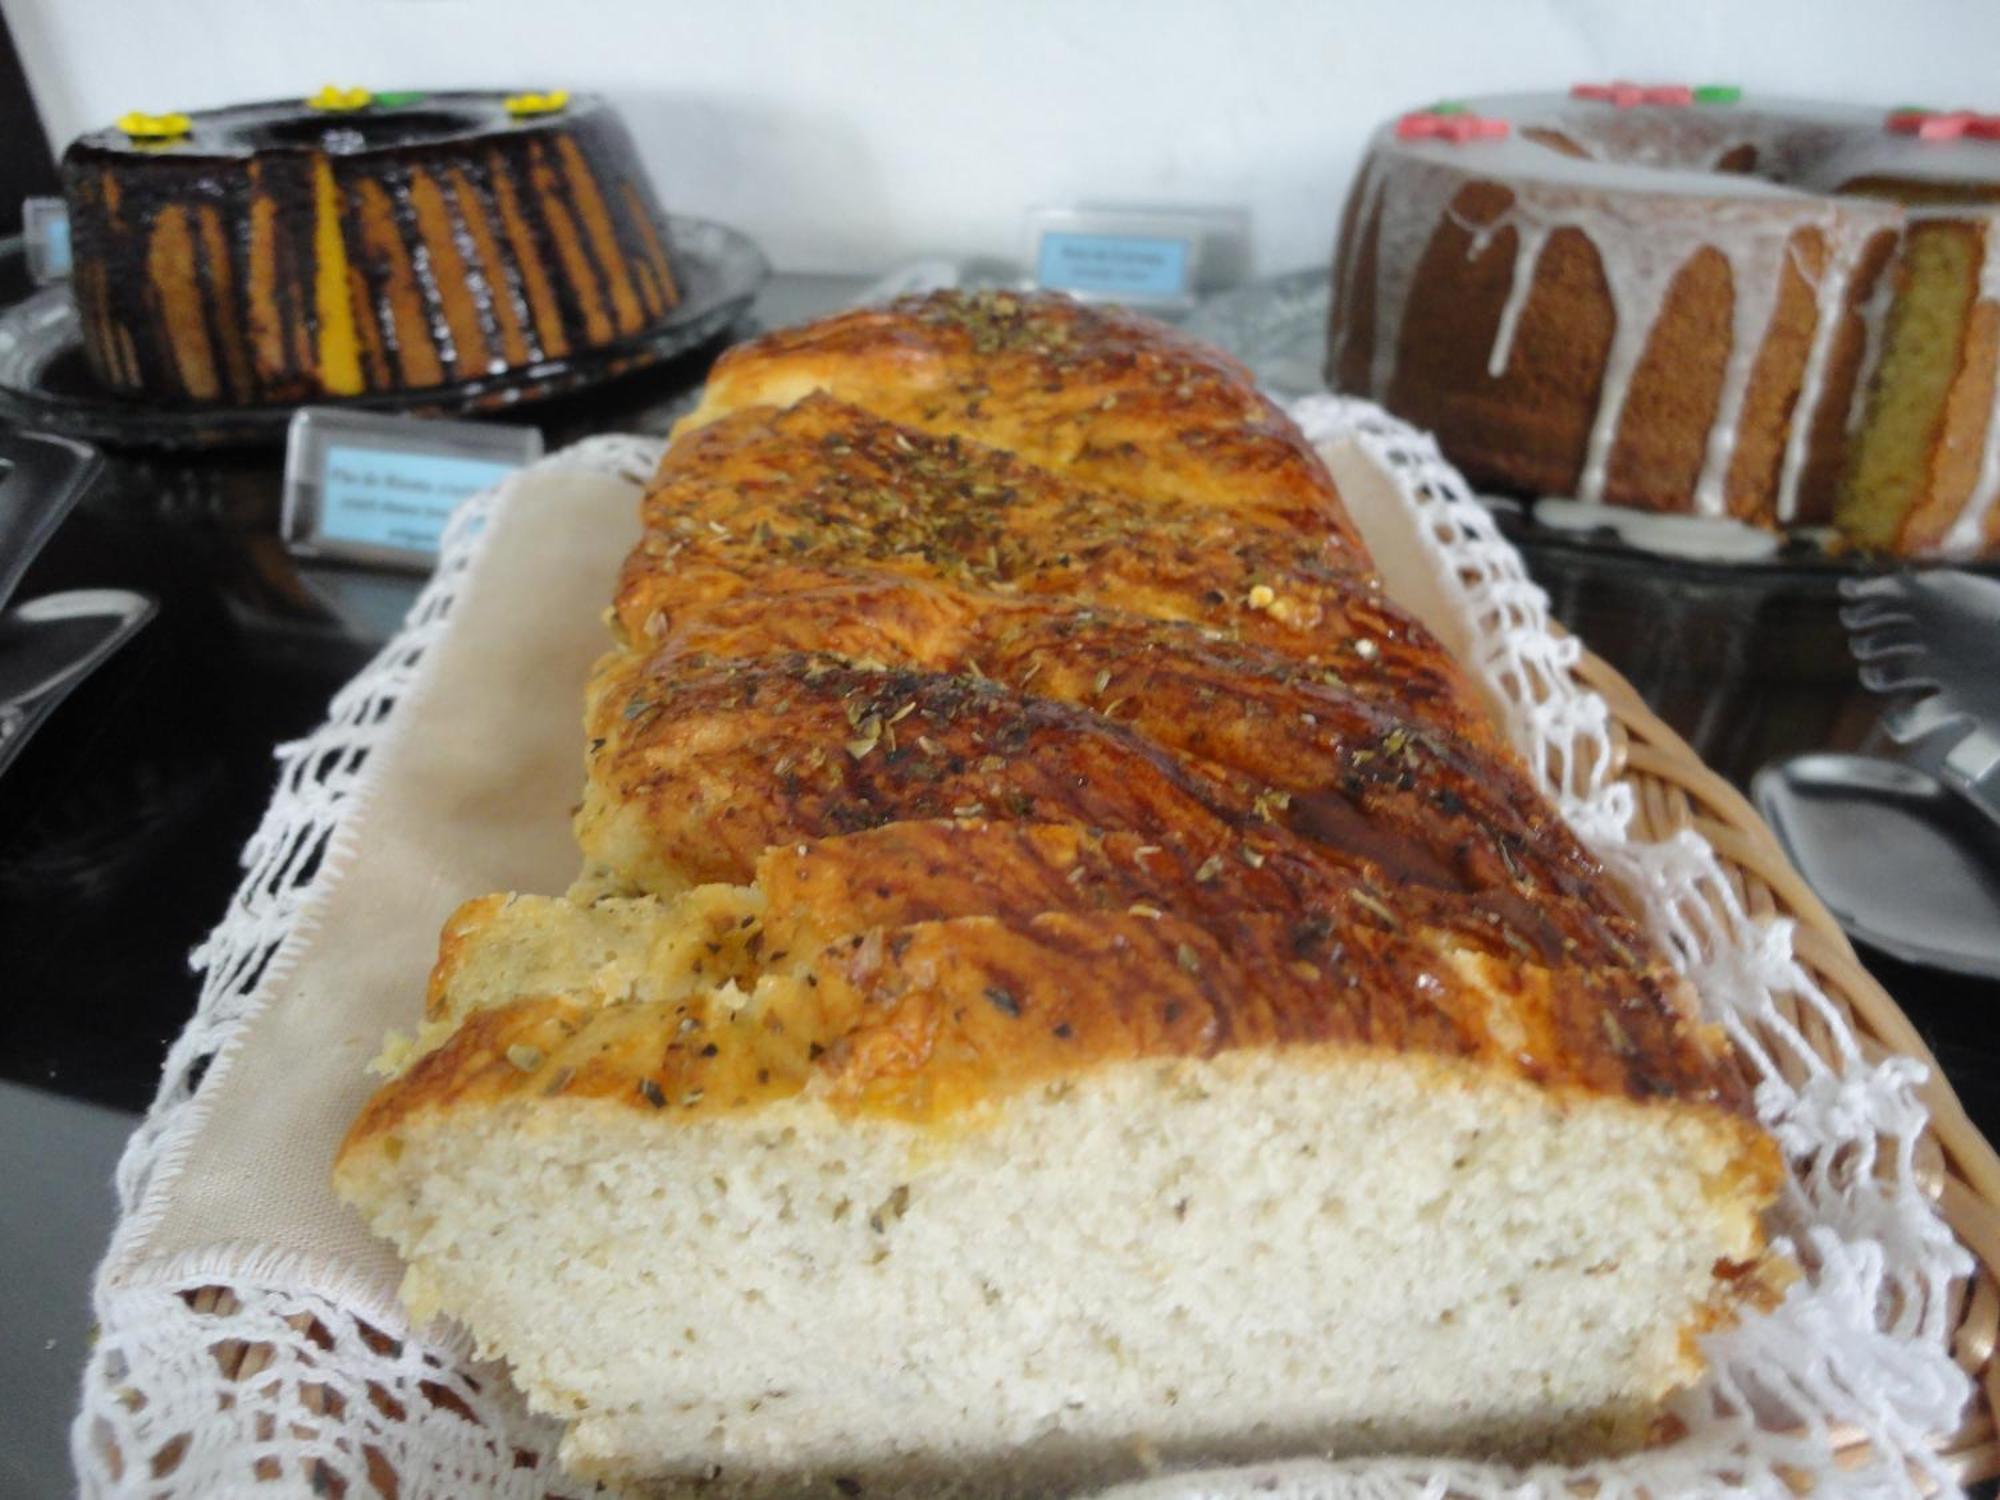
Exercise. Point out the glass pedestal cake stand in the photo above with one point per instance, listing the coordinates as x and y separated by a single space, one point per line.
46 385
1744 654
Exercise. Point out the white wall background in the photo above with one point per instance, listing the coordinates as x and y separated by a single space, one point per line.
849 134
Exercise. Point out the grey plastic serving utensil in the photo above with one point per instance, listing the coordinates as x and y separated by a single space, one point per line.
1933 638
49 645
1906 852
1893 855
41 479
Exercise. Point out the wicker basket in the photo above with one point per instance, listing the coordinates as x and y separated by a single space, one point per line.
284 1345
1676 791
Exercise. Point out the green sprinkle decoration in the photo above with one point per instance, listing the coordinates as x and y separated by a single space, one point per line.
397 101
1912 109
1717 93
1448 107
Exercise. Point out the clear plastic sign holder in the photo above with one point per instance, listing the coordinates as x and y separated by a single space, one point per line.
1163 259
376 489
45 237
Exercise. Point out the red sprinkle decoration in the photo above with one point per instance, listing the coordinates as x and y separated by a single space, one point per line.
1455 125
1945 125
1625 95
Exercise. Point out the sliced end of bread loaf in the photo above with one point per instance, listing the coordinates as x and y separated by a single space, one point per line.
1254 1254
1192 1038
759 1273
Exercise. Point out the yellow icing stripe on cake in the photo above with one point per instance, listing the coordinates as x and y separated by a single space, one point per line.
339 350
170 271
120 354
453 273
269 332
93 293
509 305
403 317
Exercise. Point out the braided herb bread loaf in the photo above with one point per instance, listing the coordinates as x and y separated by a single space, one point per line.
1065 978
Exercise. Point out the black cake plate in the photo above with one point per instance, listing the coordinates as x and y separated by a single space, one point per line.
46 384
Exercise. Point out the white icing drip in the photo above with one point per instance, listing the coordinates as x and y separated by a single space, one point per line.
1967 536
1642 240
1756 271
1802 149
1478 236
1842 253
1628 341
1647 200
1874 323
1709 538
1527 256
1643 244
1409 218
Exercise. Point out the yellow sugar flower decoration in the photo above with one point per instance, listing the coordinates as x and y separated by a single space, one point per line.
145 127
553 102
339 100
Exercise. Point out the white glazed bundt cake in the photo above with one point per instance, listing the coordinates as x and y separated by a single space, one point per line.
1691 301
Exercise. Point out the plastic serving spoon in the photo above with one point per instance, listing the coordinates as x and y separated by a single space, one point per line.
41 479
1906 852
1899 859
49 645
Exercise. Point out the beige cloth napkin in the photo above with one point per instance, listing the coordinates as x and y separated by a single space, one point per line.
471 793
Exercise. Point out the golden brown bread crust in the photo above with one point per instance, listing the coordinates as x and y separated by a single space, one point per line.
824 496
805 531
931 795
1032 778
975 957
722 762
1264 742
1102 398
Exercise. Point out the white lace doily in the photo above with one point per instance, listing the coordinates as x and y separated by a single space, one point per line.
241 1382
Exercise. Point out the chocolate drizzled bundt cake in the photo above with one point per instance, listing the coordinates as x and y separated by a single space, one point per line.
359 244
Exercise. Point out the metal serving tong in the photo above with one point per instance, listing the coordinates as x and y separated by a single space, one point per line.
50 644
1905 850
1935 635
